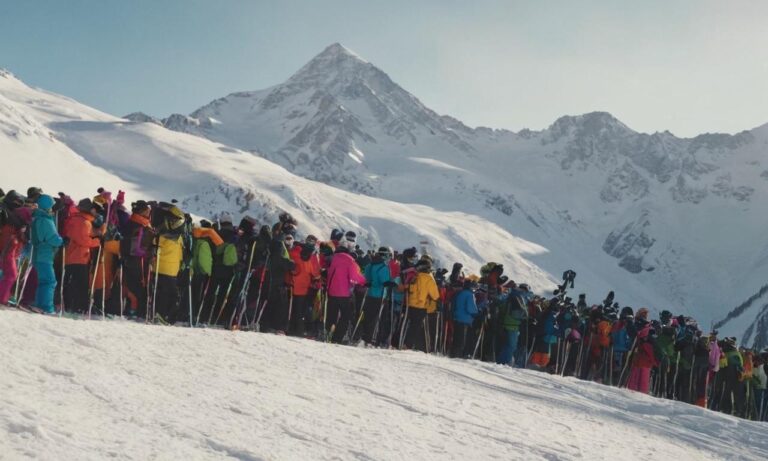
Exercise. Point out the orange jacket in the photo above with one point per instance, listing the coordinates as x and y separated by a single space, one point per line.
304 272
604 333
79 231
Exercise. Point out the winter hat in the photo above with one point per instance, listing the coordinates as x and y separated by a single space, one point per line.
337 235
45 202
424 265
385 252
33 193
85 205
105 194
139 206
350 236
205 224
247 224
311 239
14 200
225 217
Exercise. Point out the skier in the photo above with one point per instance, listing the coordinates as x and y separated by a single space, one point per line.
643 359
343 275
137 237
378 280
464 313
81 233
12 240
46 241
421 292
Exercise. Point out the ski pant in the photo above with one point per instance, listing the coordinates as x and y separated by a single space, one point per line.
30 287
415 337
761 399
732 400
541 352
213 305
339 315
389 323
76 288
277 308
463 340
167 298
507 355
639 379
10 273
301 315
133 281
46 286
199 284
700 384
371 310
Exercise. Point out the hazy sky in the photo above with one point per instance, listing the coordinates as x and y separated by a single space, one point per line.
688 66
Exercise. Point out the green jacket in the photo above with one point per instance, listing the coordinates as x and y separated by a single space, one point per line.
202 257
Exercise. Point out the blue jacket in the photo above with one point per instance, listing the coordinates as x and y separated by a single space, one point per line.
45 238
377 274
464 307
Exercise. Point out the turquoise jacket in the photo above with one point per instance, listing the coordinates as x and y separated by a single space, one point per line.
45 238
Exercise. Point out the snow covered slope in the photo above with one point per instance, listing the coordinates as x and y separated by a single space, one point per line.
676 223
91 390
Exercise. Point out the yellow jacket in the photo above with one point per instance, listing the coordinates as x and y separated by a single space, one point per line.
171 252
423 291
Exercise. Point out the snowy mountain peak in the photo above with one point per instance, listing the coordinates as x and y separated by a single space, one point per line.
592 123
332 63
4 73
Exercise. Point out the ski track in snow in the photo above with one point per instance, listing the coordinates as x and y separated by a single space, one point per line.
73 389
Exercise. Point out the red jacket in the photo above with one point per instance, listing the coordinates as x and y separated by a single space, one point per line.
79 231
11 242
644 356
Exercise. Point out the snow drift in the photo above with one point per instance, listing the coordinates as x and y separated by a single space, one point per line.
92 389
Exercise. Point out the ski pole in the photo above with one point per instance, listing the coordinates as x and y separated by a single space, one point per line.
375 336
157 278
122 298
567 352
690 381
243 301
626 364
360 317
93 284
674 382
203 298
63 277
226 298
290 307
479 340
103 285
213 303
402 327
20 296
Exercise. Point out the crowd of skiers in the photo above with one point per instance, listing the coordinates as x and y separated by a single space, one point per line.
149 261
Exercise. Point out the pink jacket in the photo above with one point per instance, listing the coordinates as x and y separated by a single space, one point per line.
343 273
714 357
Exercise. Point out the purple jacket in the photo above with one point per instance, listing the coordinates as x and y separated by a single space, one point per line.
342 275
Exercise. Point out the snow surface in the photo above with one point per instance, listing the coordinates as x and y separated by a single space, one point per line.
73 389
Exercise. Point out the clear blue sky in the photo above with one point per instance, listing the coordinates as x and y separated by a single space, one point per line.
688 66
